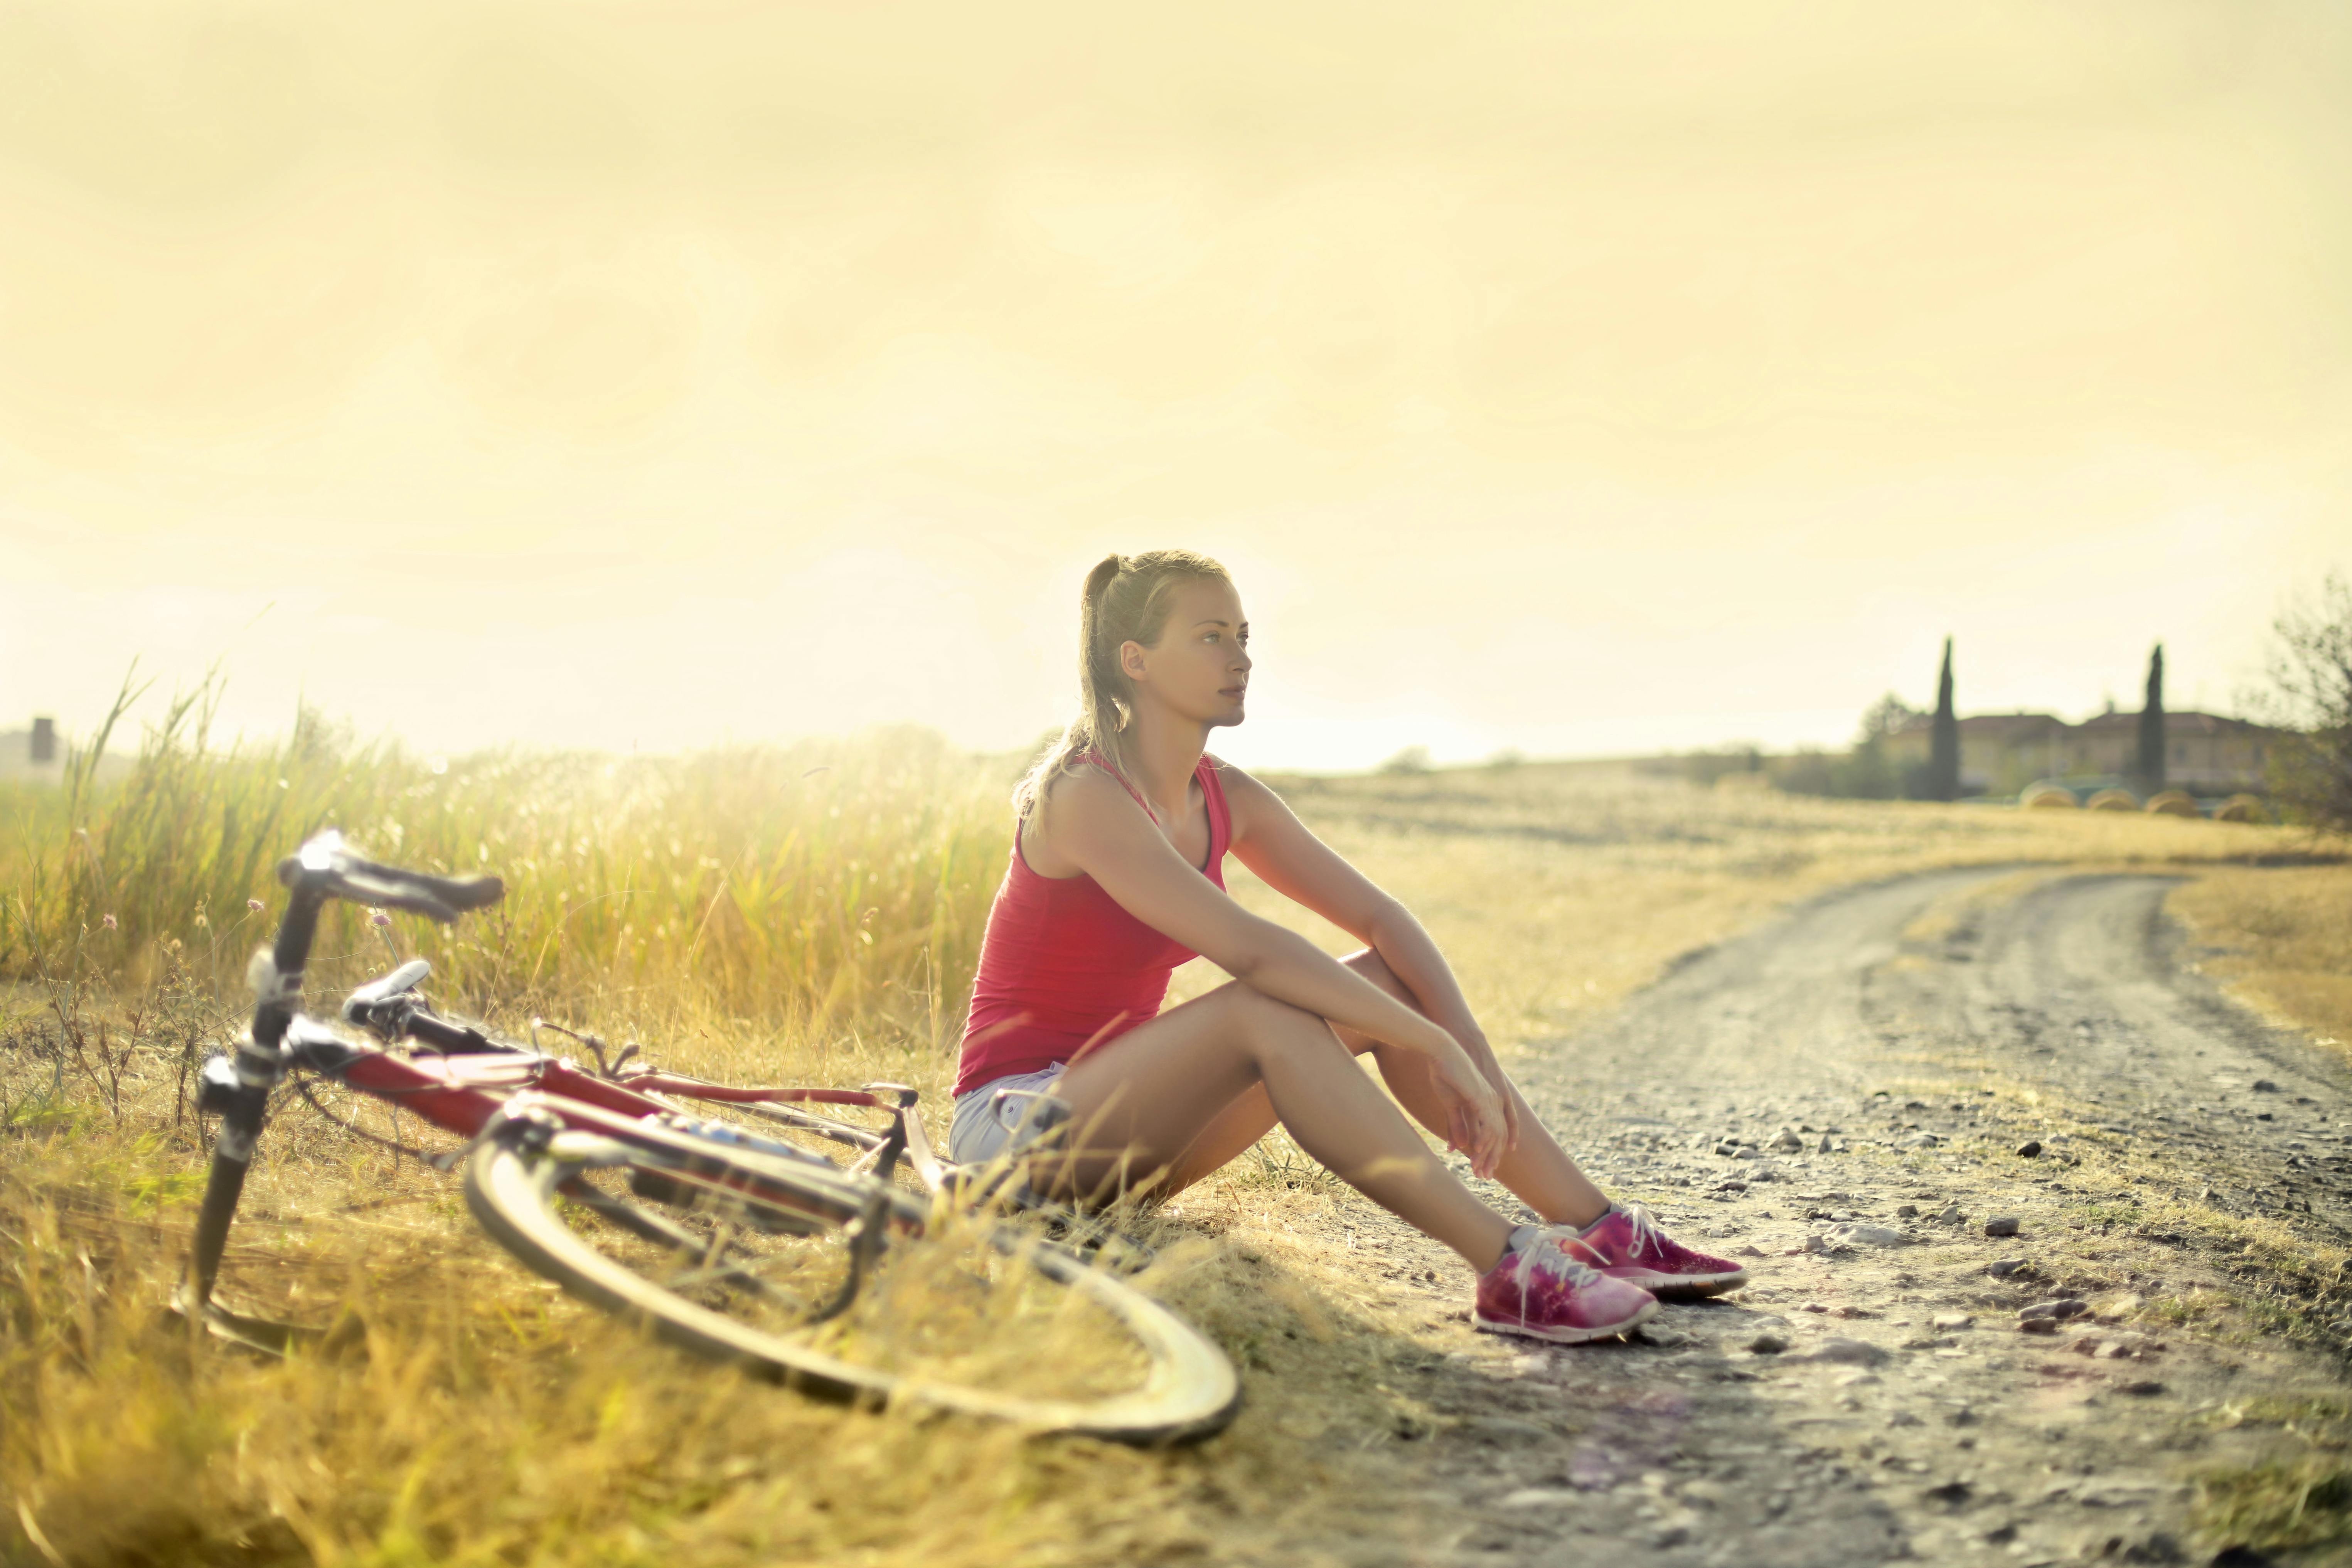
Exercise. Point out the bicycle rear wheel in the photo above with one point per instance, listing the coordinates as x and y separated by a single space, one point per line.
827 1282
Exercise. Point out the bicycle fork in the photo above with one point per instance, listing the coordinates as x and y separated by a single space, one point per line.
237 1086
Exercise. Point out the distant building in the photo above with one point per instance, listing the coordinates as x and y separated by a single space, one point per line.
2001 754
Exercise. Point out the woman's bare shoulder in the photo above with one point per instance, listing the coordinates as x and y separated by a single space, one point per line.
1085 781
1086 796
1233 775
1245 793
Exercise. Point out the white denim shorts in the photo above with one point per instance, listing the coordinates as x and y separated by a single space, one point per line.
983 1125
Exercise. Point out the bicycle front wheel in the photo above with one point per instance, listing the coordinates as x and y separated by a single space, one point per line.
828 1282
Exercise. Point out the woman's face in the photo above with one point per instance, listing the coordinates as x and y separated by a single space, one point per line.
1200 669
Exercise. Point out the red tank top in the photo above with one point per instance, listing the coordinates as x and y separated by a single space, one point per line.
1062 965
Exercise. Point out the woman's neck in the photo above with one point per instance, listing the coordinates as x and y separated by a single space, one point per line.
1165 757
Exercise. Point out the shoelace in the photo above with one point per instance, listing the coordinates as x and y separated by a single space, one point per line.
1647 1236
1572 1272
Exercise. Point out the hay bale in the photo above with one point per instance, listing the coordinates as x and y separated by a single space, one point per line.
2048 798
2242 808
2173 803
2113 800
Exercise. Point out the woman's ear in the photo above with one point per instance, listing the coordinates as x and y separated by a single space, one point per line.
1131 661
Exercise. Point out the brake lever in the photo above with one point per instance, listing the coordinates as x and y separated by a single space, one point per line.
399 982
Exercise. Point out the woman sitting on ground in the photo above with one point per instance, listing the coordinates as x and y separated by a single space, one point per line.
1116 877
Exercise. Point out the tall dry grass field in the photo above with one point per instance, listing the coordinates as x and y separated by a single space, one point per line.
759 913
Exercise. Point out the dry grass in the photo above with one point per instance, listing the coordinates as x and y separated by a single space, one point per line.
2280 938
718 906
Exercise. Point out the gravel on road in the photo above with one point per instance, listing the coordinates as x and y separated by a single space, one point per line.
2039 1226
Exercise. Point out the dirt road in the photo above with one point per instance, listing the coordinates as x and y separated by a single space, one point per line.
1844 1096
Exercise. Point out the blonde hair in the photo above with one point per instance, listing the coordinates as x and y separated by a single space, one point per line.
1127 598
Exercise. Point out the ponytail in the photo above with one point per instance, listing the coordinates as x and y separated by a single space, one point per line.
1127 598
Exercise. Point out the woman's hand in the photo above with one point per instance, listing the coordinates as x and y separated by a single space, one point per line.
1479 1120
1482 1056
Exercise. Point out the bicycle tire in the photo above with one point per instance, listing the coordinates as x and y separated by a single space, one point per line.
1189 1390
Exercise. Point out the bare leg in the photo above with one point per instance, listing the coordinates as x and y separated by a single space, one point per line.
1141 1102
1538 1170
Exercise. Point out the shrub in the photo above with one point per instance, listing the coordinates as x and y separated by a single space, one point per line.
2311 696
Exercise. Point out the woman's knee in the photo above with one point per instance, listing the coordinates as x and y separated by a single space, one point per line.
1374 968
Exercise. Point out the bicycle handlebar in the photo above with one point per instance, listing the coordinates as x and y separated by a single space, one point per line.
322 869
324 865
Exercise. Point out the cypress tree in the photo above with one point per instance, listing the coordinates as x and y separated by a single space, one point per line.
1944 739
2151 726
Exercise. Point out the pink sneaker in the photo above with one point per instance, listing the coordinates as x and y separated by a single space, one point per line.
1544 1292
1626 1244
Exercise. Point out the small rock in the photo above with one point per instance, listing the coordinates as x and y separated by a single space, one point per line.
1954 1493
1811 1307
1541 1496
2264 1086
2061 1309
1951 1215
1906 1211
1903 1419
2114 1309
2145 1387
1748 1151
1950 1320
2242 1557
1828 1145
1749 1251
1872 1236
2030 1148
1787 1142
2003 1225
2112 1350
1850 1352
2005 1267
2037 1325
1815 1243
1767 1344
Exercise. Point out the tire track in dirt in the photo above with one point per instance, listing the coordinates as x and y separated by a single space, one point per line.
1926 1028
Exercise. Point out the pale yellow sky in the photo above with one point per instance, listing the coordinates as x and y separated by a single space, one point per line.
1568 377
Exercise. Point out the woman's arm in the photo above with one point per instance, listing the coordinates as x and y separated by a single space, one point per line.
1270 840
1103 832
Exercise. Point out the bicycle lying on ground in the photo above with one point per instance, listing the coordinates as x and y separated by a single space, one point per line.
738 1246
